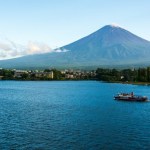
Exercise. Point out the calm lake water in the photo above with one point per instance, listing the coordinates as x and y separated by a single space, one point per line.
73 115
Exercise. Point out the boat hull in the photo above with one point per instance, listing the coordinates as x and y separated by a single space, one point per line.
131 99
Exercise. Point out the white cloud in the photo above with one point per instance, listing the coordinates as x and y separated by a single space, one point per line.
9 49
37 48
58 50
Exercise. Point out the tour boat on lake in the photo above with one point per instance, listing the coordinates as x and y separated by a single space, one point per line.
130 97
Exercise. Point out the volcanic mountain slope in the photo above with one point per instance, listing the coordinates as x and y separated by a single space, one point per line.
109 46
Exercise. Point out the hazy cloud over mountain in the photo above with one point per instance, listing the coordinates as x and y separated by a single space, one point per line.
59 50
36 48
10 49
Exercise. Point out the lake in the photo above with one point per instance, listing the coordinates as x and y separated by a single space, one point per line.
72 115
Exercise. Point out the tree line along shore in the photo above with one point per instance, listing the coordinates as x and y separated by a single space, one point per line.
137 76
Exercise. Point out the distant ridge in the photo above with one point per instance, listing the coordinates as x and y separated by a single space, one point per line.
109 46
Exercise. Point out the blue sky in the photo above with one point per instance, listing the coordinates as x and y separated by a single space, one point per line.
59 22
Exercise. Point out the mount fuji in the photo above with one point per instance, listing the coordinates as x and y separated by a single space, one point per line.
108 46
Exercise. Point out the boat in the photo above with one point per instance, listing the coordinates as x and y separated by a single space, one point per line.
130 97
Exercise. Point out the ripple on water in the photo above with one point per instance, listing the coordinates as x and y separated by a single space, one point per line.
72 115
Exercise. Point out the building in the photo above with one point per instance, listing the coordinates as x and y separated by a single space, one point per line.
49 75
19 73
69 76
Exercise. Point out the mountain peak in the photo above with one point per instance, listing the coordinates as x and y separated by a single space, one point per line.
113 26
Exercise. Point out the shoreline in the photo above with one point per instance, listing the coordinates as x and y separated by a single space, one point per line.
133 83
139 83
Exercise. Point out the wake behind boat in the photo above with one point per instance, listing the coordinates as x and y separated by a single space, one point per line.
130 97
